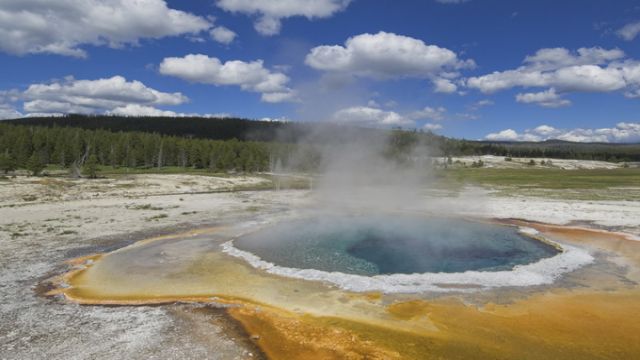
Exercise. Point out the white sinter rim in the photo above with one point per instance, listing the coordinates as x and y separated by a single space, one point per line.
542 272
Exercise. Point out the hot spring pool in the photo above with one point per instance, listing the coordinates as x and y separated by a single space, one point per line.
390 245
405 253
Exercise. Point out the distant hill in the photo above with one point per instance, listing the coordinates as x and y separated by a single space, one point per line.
203 128
193 127
560 149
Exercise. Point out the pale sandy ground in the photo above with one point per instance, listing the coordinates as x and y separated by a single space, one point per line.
42 225
44 221
491 161
618 215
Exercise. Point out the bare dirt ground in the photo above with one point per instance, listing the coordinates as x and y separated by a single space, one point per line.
45 221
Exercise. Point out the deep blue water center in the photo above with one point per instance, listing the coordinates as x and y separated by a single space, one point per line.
375 245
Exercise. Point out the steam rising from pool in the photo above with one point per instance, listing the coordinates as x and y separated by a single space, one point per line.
382 173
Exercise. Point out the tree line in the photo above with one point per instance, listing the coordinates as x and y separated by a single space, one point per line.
554 149
28 146
191 127
32 147
291 133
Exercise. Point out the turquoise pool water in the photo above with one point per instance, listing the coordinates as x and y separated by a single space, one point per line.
383 244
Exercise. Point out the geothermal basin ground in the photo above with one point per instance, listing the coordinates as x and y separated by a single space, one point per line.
154 244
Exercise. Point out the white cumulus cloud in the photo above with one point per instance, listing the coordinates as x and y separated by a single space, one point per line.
99 96
250 76
93 96
622 132
373 116
140 110
547 98
429 113
63 26
561 72
368 116
629 31
9 112
545 130
445 86
432 127
504 135
281 119
144 110
480 104
222 35
270 13
555 58
388 55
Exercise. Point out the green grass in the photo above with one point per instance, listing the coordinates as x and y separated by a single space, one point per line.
105 171
601 184
108 170
157 217
143 207
54 167
546 178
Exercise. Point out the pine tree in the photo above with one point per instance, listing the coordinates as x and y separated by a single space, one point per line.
7 163
90 168
35 164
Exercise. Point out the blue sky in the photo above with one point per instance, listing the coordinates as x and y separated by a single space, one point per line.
512 70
